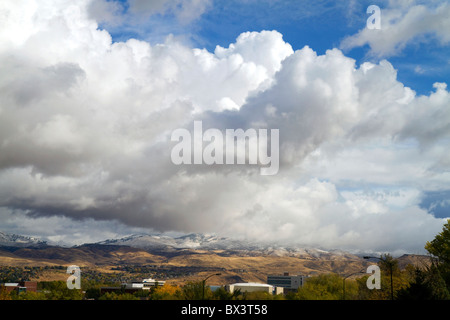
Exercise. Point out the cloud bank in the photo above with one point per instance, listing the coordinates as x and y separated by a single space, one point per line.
85 127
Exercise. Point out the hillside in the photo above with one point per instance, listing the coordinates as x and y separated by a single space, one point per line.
195 255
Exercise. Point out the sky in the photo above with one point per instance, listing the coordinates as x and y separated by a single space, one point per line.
92 90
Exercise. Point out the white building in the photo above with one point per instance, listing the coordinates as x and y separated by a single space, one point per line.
133 285
253 287
146 284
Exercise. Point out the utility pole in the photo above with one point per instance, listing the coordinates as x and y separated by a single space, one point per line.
204 282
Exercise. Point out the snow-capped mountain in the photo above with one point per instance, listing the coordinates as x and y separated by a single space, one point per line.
189 241
14 240
213 242
193 241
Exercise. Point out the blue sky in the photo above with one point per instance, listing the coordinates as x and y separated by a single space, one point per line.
322 25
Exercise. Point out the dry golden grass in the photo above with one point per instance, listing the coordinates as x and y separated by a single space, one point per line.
233 267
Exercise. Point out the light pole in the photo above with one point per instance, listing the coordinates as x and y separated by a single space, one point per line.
204 281
343 285
390 267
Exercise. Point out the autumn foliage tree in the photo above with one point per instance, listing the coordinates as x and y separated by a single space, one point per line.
4 294
166 292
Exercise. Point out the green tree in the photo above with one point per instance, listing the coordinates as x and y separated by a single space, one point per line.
440 245
325 287
439 248
222 294
93 293
118 296
193 290
142 294
57 290
426 284
392 280
30 295
256 295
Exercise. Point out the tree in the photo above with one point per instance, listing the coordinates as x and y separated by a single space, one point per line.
93 293
193 290
57 290
427 284
325 287
392 280
118 296
142 294
29 295
222 294
257 295
166 292
439 247
4 294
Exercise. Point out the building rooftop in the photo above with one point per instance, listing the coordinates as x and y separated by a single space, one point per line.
253 284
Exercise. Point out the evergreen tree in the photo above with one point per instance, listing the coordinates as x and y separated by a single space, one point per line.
193 290
427 284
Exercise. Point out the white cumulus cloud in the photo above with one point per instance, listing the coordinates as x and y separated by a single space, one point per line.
85 127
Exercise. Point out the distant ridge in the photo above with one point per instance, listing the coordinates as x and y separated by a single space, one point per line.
189 241
209 242
188 257
14 240
194 242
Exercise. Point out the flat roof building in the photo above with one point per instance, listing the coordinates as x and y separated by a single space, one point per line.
252 287
286 281
148 283
134 286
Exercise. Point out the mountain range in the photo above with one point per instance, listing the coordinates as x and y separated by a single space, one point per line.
14 240
194 241
151 248
211 242
237 260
